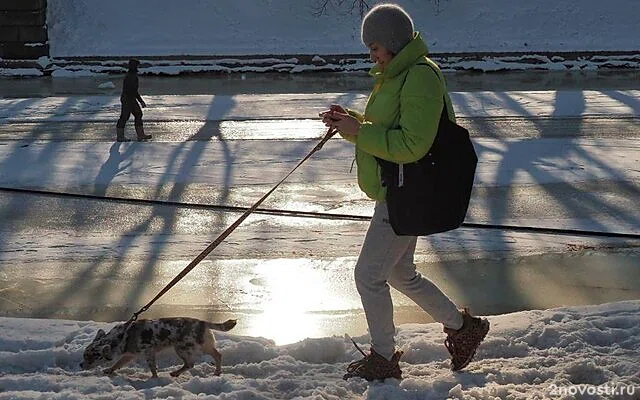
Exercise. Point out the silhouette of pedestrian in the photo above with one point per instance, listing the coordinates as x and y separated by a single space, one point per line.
129 100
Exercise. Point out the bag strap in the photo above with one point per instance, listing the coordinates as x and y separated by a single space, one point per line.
445 112
444 117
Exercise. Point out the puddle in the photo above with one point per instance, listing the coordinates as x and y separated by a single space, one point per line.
288 300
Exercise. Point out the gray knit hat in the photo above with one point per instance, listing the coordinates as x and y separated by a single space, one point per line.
389 25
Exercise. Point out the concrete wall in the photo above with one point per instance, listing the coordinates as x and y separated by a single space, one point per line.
23 29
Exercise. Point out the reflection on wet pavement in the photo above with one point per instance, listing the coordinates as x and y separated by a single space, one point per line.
290 299
310 129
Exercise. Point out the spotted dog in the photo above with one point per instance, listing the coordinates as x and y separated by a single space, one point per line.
189 337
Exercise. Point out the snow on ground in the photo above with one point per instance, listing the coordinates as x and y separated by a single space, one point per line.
284 36
558 353
278 27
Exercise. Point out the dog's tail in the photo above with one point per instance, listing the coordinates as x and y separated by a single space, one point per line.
225 326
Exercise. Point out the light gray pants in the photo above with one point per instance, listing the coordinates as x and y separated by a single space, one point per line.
387 259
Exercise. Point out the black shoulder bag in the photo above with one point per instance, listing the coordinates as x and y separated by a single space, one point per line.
432 194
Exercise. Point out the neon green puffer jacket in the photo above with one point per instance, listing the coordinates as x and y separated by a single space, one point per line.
402 115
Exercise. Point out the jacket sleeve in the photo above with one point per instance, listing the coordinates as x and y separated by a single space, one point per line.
355 114
421 101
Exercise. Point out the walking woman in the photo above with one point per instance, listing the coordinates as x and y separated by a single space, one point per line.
399 124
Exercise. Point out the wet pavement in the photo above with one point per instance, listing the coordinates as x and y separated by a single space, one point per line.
287 274
290 298
203 131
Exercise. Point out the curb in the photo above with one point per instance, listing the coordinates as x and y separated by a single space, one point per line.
305 63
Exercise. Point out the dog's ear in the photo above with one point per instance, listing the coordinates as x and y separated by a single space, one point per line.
105 351
99 334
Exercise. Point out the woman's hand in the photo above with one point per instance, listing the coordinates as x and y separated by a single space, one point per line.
337 118
327 116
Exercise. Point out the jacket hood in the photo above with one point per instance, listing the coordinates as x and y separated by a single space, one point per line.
407 57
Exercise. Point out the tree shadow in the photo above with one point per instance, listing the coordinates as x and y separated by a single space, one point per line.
538 161
181 163
184 159
23 155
